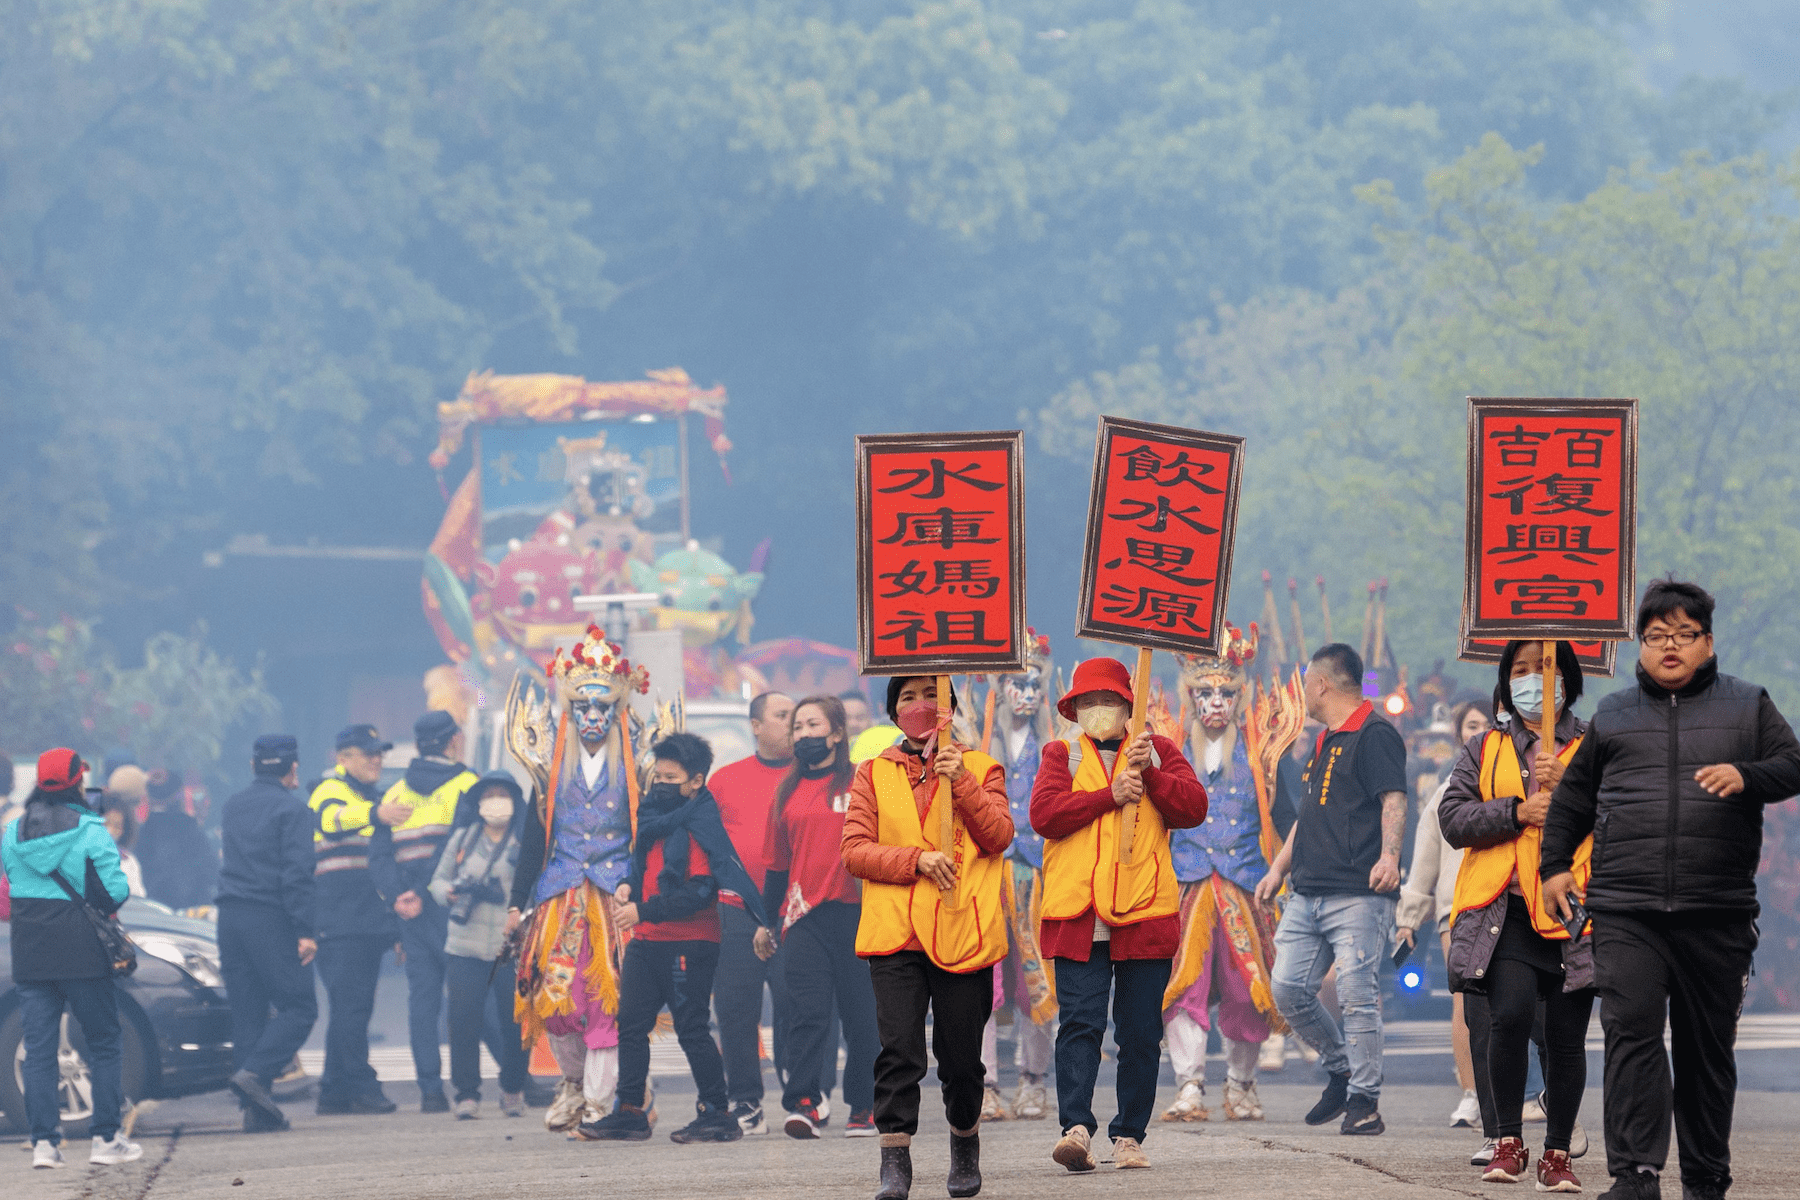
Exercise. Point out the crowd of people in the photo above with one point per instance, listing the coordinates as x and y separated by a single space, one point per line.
898 882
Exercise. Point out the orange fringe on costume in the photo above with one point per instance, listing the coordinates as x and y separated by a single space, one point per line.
1040 973
553 947
1218 901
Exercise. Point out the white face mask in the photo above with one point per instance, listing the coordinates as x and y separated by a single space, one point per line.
496 810
1102 722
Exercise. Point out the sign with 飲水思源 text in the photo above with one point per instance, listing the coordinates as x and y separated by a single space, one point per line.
940 539
1162 515
1552 519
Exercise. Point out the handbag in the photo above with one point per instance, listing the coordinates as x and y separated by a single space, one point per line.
115 943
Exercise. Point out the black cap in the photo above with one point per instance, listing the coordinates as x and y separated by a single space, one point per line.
433 731
362 737
274 753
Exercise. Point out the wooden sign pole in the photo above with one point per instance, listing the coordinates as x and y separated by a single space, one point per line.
945 806
1140 701
1547 722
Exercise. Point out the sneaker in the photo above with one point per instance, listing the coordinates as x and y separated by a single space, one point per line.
1634 1185
804 1122
249 1089
1534 1109
1578 1141
1307 1053
824 1109
861 1123
1273 1056
1190 1103
46 1156
468 1109
1075 1151
110 1153
433 1100
1466 1115
1511 1159
1362 1117
626 1123
749 1117
1331 1101
1128 1155
512 1104
992 1107
257 1121
1554 1174
708 1125
1485 1155
1241 1101
1708 1189
565 1110
1031 1103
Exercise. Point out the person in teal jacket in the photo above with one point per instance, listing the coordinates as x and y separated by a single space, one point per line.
57 851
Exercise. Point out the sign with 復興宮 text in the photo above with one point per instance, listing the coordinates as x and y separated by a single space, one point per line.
940 552
1598 659
1551 545
1162 515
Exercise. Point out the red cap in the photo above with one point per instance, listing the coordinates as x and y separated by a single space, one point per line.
59 769
1096 675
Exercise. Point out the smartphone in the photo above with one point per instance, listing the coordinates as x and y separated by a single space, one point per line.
1402 952
1578 918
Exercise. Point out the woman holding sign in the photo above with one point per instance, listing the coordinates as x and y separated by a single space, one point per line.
933 922
1505 943
1111 926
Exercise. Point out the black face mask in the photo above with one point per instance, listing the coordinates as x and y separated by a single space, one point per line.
666 795
809 752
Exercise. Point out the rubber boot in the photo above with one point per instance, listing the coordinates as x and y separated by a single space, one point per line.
965 1164
896 1173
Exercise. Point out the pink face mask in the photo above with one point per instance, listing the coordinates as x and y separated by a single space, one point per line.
918 720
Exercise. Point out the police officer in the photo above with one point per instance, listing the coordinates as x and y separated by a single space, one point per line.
403 858
355 926
266 927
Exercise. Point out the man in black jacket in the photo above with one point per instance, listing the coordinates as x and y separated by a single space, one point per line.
267 927
1671 781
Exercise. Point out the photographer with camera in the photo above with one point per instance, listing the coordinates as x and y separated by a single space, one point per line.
472 881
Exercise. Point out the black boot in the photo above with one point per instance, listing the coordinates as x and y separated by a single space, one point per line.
965 1164
896 1173
1332 1101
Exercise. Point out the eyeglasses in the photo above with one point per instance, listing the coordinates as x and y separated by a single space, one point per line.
1684 637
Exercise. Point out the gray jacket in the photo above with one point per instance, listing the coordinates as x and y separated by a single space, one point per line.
472 863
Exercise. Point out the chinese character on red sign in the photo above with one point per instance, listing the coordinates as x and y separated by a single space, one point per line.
1552 518
1161 518
1597 659
941 552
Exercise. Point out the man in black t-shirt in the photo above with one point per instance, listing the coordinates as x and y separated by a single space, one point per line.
1342 862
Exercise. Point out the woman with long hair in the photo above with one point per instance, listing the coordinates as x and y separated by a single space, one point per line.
1505 942
817 905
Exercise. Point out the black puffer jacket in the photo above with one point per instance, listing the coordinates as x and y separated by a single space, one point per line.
1662 843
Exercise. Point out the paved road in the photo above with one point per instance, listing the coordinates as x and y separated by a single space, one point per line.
192 1151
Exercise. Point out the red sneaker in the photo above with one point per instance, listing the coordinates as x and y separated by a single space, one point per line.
804 1122
1554 1174
1511 1158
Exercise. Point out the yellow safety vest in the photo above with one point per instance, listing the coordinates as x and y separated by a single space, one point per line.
1083 871
343 825
1486 872
966 937
420 835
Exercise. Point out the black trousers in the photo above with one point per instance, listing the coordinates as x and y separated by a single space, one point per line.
906 984
738 1005
473 983
1136 986
273 1005
426 964
1515 991
678 975
1478 1020
349 968
1690 972
822 966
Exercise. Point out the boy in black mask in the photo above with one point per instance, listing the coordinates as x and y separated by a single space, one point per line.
680 857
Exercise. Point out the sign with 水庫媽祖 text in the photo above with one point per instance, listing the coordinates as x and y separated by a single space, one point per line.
940 564
1161 518
1597 659
1551 546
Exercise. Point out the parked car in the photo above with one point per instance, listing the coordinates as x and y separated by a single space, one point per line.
172 1009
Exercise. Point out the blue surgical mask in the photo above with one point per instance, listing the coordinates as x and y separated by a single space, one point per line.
1528 694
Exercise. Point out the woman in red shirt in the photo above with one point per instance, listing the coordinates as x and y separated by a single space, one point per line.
817 906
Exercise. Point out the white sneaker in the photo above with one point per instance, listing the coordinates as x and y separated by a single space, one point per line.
750 1118
468 1110
1030 1103
1534 1109
47 1155
118 1150
1190 1103
1578 1141
1273 1055
1485 1155
1466 1115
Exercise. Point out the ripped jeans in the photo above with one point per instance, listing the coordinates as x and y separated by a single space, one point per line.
1356 933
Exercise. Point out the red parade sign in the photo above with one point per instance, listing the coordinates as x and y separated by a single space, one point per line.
1598 659
940 565
1552 519
1162 515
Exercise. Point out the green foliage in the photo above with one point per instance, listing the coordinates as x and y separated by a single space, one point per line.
60 687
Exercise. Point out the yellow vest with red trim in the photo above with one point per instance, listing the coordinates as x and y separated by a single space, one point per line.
1486 872
962 937
1083 871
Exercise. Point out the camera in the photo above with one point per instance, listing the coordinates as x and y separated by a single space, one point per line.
467 896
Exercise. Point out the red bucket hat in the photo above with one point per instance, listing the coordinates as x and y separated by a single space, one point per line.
59 770
1096 675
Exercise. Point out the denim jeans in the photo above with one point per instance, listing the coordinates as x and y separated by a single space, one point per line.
426 964
473 982
95 1006
1355 932
1136 987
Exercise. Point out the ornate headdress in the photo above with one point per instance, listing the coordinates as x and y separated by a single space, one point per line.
1232 666
1037 650
594 660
